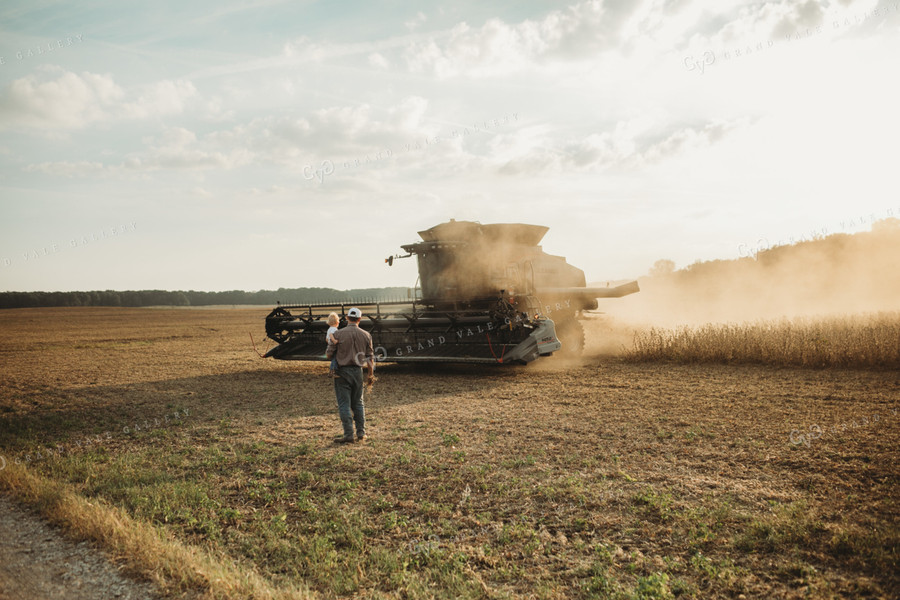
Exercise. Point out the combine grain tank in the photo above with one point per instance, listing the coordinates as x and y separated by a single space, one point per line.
487 294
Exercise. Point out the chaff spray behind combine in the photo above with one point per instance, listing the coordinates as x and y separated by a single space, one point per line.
487 294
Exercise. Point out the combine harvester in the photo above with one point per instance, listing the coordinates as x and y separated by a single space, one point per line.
487 294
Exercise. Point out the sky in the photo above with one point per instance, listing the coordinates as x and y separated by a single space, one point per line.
263 144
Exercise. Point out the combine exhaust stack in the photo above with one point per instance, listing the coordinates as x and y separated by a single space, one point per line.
488 293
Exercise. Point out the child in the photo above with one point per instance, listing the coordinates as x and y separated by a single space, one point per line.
333 321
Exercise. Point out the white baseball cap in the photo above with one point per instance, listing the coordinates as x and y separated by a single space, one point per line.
354 313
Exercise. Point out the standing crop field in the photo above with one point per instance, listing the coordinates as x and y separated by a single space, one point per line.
860 341
198 466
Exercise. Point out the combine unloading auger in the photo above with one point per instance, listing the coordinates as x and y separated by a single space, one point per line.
489 294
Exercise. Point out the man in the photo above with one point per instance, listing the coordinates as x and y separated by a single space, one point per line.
352 347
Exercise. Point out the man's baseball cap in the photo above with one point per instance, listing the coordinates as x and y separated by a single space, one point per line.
354 313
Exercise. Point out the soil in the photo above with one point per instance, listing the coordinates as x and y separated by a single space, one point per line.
37 562
752 438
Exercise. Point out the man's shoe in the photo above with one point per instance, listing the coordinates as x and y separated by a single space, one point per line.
344 440
362 438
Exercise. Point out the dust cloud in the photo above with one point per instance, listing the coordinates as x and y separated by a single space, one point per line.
840 274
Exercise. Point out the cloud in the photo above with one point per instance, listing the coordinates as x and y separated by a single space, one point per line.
68 101
378 61
580 33
631 143
175 149
775 22
53 99
495 47
178 148
80 168
161 98
416 21
592 31
329 132
335 132
689 139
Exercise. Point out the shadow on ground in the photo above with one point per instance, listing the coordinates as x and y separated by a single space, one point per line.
261 396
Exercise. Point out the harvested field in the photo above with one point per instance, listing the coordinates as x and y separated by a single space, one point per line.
211 472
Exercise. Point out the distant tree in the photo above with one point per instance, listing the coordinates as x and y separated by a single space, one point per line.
110 298
194 298
662 267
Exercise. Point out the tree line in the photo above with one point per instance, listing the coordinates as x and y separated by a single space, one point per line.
194 298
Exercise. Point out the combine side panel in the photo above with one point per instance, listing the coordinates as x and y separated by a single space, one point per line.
407 334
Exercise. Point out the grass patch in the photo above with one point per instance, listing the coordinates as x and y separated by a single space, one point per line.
786 527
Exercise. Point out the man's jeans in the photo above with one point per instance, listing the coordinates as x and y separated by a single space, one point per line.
349 388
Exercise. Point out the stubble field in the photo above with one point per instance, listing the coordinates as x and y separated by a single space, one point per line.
160 434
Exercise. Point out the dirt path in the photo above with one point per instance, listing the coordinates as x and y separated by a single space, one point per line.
38 562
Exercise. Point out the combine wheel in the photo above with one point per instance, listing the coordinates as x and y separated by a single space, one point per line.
571 333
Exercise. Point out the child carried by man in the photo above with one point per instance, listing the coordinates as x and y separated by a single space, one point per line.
333 322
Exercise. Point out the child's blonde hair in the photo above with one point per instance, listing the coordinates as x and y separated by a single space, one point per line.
334 319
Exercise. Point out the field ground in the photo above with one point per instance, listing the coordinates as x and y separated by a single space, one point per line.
602 479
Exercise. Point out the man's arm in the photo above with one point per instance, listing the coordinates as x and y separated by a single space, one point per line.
370 358
332 346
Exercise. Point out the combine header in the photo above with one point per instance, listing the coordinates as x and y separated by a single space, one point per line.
488 294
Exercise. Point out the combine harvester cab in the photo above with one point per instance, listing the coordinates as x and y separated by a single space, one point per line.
488 294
